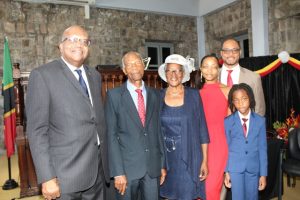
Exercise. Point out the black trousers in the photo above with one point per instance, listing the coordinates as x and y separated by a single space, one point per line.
146 188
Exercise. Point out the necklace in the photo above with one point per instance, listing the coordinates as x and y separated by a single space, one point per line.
176 93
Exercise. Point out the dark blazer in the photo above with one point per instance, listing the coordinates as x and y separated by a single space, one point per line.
133 150
246 153
62 126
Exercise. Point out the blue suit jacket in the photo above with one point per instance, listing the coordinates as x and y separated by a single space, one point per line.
246 153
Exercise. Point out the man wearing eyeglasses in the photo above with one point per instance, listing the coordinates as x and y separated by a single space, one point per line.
135 144
65 123
233 73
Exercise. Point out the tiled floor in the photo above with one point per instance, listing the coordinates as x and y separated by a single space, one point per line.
289 192
14 193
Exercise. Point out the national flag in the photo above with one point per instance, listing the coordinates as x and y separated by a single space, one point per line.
9 102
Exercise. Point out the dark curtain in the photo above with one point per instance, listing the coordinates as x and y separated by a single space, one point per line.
281 87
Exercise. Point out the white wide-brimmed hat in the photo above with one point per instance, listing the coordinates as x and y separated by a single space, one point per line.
186 63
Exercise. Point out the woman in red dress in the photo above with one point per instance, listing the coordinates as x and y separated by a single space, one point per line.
214 96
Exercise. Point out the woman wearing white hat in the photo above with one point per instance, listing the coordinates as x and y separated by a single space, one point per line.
185 132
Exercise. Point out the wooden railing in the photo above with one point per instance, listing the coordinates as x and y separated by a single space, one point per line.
112 78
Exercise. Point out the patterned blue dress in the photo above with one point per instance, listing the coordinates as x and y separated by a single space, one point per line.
178 184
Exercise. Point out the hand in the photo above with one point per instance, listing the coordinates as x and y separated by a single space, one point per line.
262 183
203 171
227 180
121 184
50 189
163 176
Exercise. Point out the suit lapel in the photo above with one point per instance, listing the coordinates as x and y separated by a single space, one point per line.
251 125
238 123
91 83
130 106
70 76
149 106
242 76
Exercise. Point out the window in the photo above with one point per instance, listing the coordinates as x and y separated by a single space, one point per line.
244 43
158 51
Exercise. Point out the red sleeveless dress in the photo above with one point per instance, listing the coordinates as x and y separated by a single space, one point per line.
215 107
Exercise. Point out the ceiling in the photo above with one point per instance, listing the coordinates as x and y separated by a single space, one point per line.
177 7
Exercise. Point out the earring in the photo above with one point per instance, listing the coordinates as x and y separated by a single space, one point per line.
201 77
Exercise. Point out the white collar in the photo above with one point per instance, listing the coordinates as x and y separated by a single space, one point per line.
72 67
233 68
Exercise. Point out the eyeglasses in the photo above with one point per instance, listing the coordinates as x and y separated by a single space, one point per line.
242 100
228 51
176 71
135 63
74 39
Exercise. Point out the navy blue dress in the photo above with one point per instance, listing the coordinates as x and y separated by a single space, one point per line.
178 183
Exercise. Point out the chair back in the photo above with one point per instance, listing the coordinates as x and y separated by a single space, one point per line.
294 143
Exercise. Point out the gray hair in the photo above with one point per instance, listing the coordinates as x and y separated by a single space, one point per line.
130 53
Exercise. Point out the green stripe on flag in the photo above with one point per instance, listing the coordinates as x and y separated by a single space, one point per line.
7 66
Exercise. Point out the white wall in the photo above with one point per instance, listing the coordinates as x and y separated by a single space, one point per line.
260 37
177 7
206 6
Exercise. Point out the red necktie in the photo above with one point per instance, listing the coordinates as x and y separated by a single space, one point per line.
229 79
245 126
141 106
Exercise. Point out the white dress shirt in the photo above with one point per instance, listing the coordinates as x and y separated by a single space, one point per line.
235 74
131 88
247 122
73 68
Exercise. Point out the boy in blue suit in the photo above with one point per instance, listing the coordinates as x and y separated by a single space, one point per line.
246 169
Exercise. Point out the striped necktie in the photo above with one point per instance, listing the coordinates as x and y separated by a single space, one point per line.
82 82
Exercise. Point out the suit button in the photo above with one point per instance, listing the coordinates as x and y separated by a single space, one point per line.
146 150
96 143
246 141
145 134
246 152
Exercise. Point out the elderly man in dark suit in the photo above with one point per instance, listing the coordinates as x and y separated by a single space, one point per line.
233 73
66 125
136 153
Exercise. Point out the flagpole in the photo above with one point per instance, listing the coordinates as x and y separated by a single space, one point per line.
9 114
10 183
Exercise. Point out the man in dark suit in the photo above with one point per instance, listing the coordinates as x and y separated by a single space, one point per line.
136 153
66 126
233 73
